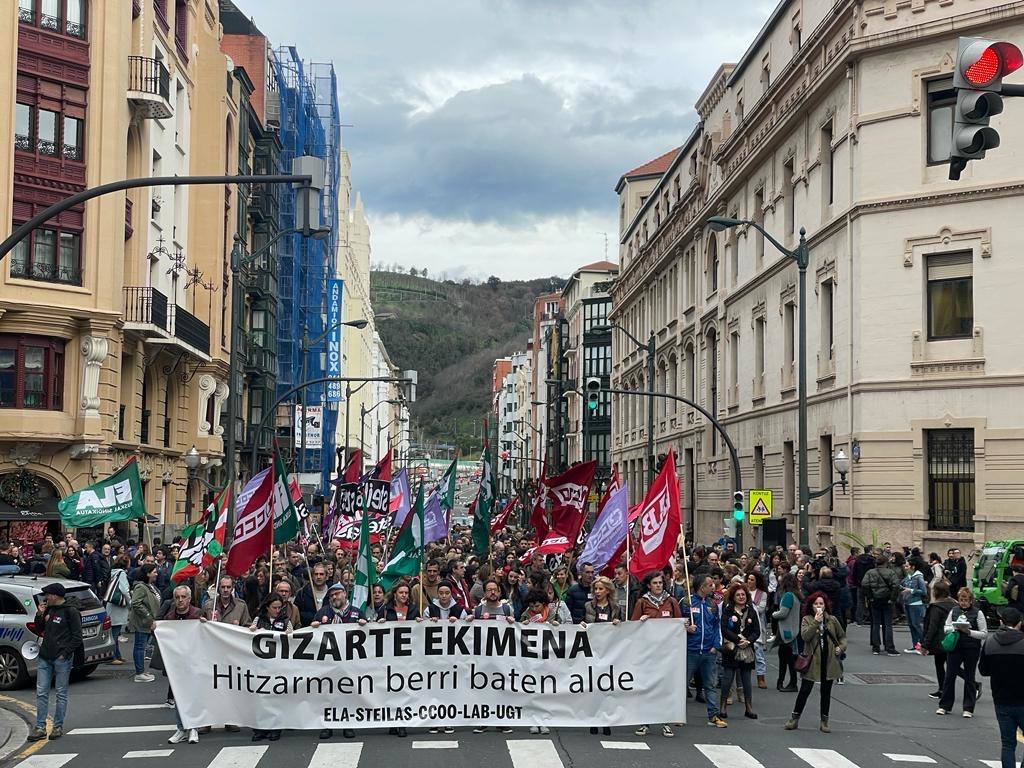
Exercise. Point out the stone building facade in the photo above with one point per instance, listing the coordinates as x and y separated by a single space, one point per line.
837 120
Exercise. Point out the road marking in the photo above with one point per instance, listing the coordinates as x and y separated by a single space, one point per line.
46 761
150 753
30 713
435 745
729 756
243 757
624 745
533 754
335 755
822 758
121 729
991 763
122 707
909 758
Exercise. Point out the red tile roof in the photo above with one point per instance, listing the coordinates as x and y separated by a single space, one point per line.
658 165
599 266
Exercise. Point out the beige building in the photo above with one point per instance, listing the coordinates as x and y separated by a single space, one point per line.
111 316
836 119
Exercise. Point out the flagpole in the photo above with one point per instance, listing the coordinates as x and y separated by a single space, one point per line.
216 598
629 576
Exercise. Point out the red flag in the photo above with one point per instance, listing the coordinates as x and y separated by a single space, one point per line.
659 522
569 492
254 525
499 520
538 515
354 468
383 469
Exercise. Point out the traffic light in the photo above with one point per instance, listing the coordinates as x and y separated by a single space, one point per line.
593 393
978 80
737 507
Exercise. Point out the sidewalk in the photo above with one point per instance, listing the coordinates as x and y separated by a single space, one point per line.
13 726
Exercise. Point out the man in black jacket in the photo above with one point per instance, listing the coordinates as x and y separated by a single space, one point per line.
864 563
1002 659
579 593
61 627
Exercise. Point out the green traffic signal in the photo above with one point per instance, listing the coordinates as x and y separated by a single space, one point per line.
592 404
738 514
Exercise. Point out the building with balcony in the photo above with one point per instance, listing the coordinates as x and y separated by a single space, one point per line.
111 313
588 354
547 309
835 119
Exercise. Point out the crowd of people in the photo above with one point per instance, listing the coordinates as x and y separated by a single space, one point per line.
737 606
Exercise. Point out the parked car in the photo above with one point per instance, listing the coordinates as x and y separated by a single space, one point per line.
990 574
19 596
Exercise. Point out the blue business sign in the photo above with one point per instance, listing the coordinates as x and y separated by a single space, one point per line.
335 292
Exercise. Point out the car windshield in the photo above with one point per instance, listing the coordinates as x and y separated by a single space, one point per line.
83 599
987 568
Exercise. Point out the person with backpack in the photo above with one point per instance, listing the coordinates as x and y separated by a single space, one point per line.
966 630
881 587
117 602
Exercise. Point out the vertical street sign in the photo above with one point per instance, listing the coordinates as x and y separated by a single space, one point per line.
335 293
760 505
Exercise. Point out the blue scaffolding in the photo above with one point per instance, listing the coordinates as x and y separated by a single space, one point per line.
310 125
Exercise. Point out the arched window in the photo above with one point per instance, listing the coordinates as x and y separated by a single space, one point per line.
690 372
673 384
712 264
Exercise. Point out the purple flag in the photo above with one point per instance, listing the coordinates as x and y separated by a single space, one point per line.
400 502
435 521
609 531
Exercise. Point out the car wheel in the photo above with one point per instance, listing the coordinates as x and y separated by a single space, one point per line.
83 672
12 670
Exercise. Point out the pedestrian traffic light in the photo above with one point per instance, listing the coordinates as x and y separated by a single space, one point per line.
593 393
729 528
978 80
737 507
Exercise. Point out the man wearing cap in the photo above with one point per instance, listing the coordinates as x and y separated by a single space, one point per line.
338 611
61 628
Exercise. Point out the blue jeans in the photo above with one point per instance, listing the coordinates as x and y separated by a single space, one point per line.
1009 719
46 673
139 651
915 620
760 667
707 665
115 633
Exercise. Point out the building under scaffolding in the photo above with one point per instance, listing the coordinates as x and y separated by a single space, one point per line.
310 124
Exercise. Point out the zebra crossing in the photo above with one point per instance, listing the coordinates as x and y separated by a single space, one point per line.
523 753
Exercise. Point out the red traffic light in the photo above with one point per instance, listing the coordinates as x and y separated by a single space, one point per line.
982 66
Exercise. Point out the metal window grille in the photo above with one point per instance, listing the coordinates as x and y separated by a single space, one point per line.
951 494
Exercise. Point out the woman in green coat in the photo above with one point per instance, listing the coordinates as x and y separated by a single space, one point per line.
145 606
824 642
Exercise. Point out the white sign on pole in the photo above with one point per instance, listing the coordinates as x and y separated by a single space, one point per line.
314 423
486 672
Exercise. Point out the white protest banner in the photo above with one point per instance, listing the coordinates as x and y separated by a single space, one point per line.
427 674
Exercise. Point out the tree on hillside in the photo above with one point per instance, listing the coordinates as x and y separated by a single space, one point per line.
423 272
494 282
413 271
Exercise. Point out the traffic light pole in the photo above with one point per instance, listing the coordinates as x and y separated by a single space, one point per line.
737 472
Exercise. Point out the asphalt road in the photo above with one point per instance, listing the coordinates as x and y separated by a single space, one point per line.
884 722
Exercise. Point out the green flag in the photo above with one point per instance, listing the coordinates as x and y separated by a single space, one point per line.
446 488
484 507
117 498
366 569
286 522
408 552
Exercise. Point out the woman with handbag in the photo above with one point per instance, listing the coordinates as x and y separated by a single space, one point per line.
788 616
117 603
966 630
759 602
824 643
740 630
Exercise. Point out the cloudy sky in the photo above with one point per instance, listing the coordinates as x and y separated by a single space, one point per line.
488 135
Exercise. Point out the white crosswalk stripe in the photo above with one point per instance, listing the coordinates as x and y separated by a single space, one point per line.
240 757
46 761
909 758
822 758
121 729
624 745
336 755
533 754
991 763
435 745
728 756
149 753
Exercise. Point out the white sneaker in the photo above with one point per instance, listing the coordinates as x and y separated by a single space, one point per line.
144 678
178 737
940 711
968 714
534 729
545 730
193 736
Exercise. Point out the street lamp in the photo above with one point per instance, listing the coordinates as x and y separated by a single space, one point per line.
650 348
363 410
192 462
304 346
802 258
841 463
